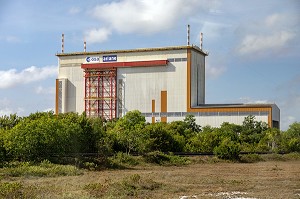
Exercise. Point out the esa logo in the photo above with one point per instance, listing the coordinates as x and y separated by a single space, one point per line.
92 59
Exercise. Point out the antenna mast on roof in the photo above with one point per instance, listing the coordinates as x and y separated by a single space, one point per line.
188 34
62 43
201 40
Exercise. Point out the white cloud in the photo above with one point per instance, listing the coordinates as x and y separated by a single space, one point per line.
137 16
268 35
12 77
5 111
144 16
97 35
273 19
8 111
43 90
248 100
257 43
281 20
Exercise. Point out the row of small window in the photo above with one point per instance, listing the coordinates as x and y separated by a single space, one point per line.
177 59
199 114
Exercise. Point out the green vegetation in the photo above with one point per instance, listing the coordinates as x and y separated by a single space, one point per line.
251 158
68 138
123 160
227 150
133 186
43 169
165 159
11 190
55 147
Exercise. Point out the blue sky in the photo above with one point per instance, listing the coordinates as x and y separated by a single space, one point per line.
253 45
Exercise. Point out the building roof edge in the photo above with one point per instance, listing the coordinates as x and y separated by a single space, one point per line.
193 47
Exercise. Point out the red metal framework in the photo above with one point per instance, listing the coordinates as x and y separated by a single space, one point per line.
101 86
101 93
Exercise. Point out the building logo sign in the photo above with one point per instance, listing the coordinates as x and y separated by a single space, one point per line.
92 59
109 58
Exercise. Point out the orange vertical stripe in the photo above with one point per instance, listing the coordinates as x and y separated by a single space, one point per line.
164 103
270 118
153 110
56 95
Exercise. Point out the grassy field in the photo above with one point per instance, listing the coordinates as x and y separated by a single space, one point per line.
203 178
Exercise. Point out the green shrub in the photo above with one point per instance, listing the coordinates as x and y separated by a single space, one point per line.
45 168
274 157
293 156
122 160
227 150
96 190
11 190
46 164
251 158
90 166
14 190
160 158
133 186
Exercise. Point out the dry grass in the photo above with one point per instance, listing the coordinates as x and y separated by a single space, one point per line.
269 179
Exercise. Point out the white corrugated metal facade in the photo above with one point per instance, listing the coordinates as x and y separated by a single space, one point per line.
169 89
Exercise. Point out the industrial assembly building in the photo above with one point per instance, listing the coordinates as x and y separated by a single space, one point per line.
165 84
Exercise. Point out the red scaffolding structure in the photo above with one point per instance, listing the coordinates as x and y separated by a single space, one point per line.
101 93
101 86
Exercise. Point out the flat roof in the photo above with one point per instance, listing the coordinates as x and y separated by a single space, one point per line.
238 105
193 47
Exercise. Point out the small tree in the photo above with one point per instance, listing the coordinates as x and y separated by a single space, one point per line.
252 131
272 139
191 123
291 138
205 141
2 149
8 122
127 133
228 150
